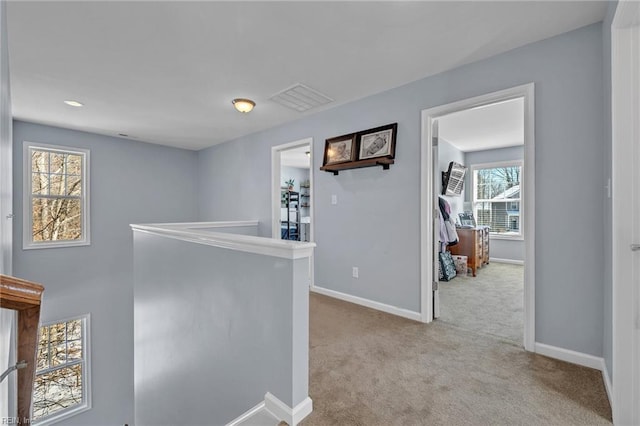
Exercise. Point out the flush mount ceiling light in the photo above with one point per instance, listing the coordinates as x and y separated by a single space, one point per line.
243 105
73 103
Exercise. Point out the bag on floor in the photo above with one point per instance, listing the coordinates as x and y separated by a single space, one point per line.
447 266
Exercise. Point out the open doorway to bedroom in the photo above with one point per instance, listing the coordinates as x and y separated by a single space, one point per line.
493 206
487 293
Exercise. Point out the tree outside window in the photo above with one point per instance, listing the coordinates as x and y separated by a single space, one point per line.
61 386
57 186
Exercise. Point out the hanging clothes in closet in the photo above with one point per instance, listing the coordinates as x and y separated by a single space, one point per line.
448 234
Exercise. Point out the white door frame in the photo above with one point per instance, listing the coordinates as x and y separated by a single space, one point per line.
528 182
275 192
625 125
435 230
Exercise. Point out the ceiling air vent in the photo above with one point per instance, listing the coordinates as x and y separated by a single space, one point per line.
300 98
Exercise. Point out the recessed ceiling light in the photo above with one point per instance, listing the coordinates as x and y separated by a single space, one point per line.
243 105
74 103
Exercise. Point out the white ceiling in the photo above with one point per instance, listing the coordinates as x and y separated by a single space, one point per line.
496 125
296 157
166 72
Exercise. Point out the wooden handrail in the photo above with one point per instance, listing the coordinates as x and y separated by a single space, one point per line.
25 297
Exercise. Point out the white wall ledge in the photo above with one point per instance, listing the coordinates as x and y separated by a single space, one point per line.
200 225
195 232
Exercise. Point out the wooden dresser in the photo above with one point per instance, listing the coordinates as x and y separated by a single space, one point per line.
473 243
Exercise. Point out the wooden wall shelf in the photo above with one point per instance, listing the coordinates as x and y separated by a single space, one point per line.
24 297
371 162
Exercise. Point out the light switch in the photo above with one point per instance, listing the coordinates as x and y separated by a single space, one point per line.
334 199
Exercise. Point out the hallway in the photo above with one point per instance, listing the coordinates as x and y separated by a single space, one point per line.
371 368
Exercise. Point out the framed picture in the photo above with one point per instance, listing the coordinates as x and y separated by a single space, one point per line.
339 149
467 220
378 142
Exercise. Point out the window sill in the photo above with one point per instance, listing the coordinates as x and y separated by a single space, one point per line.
506 237
63 415
60 244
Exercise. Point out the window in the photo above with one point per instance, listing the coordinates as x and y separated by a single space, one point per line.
497 197
62 385
56 201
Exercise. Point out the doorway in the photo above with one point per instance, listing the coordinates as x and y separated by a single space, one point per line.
482 201
430 296
292 188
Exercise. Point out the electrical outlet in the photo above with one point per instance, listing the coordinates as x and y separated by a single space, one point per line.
355 272
334 199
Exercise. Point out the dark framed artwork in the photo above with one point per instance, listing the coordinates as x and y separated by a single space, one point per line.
340 149
378 142
467 220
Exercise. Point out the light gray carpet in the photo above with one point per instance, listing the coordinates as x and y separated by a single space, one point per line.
371 368
489 303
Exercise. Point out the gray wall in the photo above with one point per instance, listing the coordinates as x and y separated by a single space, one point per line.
242 317
5 146
608 225
500 248
131 182
446 153
234 183
375 224
6 316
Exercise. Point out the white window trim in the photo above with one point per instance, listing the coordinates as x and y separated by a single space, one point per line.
27 218
86 374
495 236
474 167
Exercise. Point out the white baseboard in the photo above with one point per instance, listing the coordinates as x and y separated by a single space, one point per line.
369 303
246 415
607 382
510 261
567 355
292 416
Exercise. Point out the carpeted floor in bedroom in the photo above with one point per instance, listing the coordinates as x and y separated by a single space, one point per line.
371 368
490 303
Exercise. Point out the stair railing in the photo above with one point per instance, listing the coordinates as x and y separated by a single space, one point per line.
25 298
